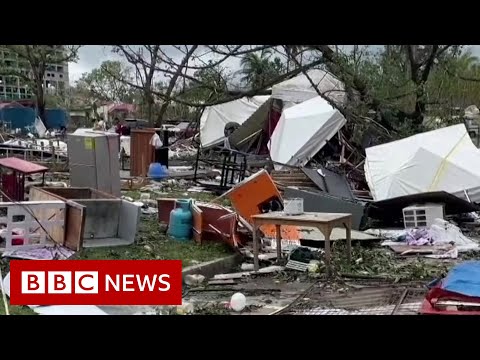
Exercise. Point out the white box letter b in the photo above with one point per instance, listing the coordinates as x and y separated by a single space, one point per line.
59 282
33 282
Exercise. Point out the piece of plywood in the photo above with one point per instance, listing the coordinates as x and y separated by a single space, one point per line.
222 282
421 250
165 206
142 154
71 235
197 214
311 233
74 226
58 232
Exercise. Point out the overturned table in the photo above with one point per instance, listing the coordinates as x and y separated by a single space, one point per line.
325 222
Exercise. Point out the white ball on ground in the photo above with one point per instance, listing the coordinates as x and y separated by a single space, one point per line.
238 302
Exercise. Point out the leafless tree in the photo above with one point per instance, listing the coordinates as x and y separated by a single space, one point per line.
144 59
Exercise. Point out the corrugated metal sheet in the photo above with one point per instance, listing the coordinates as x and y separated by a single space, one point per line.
332 183
141 152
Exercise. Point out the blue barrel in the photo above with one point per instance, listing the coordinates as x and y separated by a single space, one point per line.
181 221
157 171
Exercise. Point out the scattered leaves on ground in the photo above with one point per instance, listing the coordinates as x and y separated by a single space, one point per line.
381 262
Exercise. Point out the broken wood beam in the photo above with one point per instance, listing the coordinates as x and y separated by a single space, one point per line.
222 282
239 275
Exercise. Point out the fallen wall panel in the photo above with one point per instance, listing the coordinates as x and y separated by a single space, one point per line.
321 202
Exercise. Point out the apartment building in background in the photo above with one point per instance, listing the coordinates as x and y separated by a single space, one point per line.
14 88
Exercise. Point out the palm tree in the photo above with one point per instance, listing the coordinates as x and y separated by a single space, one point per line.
256 68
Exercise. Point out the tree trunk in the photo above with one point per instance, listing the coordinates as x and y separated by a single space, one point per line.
150 102
40 100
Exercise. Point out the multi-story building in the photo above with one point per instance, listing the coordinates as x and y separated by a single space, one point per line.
14 87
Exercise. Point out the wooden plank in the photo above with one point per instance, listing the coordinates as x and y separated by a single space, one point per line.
412 250
239 275
222 282
231 276
165 206
197 214
71 234
267 256
295 183
74 225
306 217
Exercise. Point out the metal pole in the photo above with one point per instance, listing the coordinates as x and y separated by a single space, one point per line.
4 296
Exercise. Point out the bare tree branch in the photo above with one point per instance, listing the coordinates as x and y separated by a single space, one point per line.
173 81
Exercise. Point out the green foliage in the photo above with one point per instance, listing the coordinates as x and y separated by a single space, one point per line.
258 69
107 83
29 62
152 243
386 77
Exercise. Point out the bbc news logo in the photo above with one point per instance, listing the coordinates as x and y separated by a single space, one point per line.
96 282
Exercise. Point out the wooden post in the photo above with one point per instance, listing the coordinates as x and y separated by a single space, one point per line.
278 231
53 155
256 265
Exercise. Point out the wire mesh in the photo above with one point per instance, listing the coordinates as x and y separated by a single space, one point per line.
366 301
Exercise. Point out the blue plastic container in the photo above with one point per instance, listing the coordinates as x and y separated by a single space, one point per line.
181 221
157 171
55 118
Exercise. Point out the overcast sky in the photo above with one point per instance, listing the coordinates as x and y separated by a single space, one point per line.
91 56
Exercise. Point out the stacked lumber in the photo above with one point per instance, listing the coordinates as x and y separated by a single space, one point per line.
293 177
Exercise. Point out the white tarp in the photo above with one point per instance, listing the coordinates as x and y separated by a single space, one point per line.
300 89
214 118
438 160
303 130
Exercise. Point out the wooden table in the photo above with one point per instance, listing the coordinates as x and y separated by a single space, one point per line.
325 222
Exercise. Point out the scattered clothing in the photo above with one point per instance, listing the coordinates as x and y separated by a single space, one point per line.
441 232
419 237
42 253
